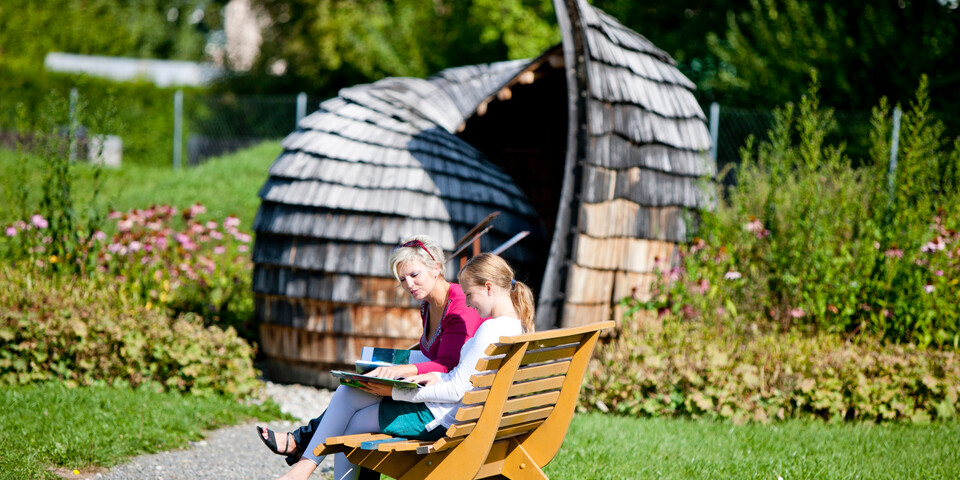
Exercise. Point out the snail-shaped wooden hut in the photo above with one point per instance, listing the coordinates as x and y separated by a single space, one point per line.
597 147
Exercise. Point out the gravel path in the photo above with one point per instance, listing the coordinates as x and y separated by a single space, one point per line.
231 452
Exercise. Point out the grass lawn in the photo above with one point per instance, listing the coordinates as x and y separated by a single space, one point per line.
609 447
225 185
42 426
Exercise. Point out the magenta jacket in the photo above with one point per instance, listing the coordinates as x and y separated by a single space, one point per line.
457 325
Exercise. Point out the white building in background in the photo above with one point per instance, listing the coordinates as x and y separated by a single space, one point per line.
235 48
163 73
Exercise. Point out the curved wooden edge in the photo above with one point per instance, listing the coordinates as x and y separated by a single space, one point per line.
543 335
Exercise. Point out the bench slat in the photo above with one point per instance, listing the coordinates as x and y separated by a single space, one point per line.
502 348
512 405
518 388
525 373
545 334
537 356
462 429
444 443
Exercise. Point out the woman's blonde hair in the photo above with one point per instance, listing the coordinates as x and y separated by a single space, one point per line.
422 248
487 267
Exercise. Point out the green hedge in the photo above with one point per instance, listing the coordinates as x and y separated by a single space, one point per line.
61 327
674 367
140 113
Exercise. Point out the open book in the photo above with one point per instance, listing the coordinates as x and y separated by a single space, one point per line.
354 379
371 358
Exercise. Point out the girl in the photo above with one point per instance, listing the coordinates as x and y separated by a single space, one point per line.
426 413
418 264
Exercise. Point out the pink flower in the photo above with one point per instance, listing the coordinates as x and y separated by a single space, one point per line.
243 237
38 221
219 249
135 246
99 236
181 238
894 253
876 245
195 229
231 221
929 288
216 235
797 312
754 225
194 210
125 225
703 285
936 245
211 225
11 231
698 244
242 248
161 243
115 214
732 275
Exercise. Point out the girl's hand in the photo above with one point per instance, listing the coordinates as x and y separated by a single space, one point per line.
394 371
424 379
377 389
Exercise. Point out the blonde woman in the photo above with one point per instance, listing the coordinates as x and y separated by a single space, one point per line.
418 264
490 288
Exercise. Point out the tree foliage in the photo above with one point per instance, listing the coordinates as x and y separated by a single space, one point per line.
329 44
863 51
166 29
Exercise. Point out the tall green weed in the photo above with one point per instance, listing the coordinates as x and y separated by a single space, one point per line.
804 240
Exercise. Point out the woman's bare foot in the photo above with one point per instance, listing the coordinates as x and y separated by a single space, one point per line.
300 471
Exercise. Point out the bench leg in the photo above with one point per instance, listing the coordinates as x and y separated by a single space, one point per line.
518 464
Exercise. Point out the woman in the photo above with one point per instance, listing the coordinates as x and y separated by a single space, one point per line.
418 264
426 413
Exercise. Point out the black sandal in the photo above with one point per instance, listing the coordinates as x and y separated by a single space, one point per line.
271 440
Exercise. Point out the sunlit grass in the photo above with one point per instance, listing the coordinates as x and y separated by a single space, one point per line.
49 425
226 185
613 447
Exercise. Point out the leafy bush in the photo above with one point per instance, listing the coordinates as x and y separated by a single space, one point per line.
805 240
69 328
156 258
685 368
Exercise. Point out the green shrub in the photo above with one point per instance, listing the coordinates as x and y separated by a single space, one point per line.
143 117
805 240
685 368
73 329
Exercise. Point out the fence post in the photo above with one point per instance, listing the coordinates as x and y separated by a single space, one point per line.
714 130
301 108
74 99
177 128
894 146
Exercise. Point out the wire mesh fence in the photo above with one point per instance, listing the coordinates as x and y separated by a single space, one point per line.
157 130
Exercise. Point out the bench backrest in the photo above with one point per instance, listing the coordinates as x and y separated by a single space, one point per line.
528 387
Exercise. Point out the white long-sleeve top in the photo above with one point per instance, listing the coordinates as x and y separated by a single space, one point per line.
445 397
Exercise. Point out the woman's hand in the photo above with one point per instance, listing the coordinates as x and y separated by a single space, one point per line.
393 371
377 389
424 379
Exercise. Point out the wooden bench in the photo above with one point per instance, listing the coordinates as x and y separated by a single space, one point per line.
512 423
